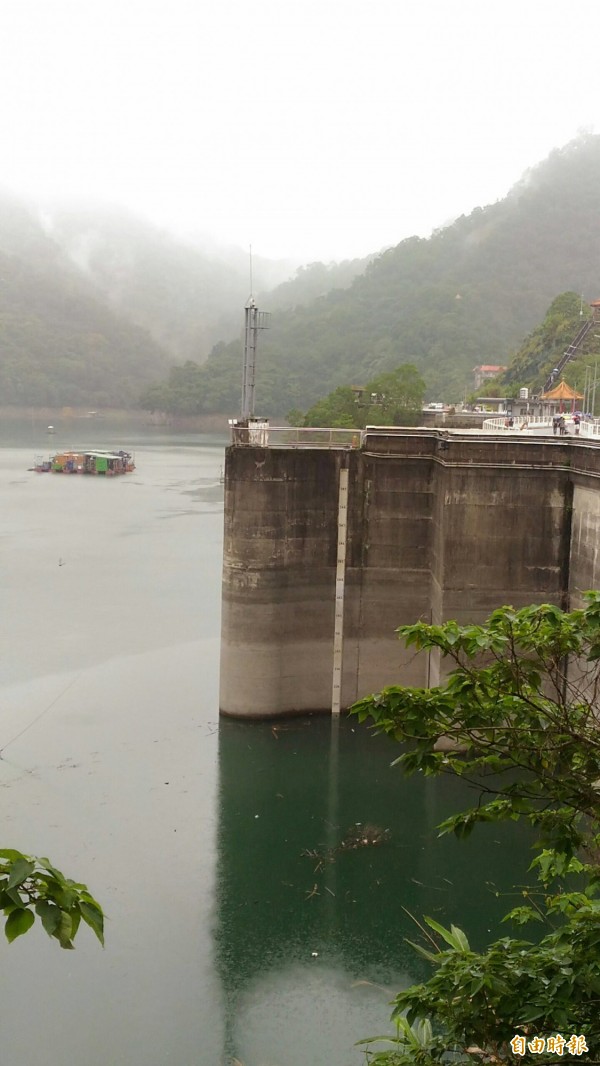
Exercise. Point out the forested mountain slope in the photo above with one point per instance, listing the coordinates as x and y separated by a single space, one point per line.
543 348
95 305
465 296
311 282
186 298
59 344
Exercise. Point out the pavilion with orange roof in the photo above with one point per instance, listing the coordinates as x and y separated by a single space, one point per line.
558 398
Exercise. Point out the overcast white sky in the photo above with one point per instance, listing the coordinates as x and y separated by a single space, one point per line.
321 129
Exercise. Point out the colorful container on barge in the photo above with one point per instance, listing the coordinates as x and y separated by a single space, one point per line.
108 464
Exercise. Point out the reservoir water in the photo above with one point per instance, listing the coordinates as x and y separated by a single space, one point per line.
247 922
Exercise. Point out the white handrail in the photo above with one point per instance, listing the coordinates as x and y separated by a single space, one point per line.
589 427
520 422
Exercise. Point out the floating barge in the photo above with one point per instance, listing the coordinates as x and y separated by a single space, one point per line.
107 464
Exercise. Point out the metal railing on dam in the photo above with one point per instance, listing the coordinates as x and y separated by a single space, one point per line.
262 435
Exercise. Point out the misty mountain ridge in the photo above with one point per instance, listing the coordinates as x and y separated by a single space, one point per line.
97 305
186 298
103 286
467 295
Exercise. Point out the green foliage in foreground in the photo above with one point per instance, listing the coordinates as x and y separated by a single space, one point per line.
520 706
481 1001
31 888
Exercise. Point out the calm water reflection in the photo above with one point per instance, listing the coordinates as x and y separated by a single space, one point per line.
239 924
288 887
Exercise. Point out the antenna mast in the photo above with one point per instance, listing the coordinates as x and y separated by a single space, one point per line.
253 321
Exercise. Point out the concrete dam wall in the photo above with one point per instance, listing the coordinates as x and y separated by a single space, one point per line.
439 524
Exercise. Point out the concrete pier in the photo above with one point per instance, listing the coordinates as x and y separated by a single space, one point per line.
440 524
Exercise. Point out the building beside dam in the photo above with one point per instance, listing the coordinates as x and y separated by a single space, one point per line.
332 542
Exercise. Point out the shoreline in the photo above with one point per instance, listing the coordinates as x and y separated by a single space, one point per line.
59 417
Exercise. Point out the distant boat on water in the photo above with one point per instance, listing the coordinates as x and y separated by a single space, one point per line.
50 429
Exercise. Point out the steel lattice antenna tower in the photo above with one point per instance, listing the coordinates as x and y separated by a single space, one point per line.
254 320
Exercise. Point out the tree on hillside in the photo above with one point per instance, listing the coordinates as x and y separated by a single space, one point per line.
519 715
339 410
391 399
399 396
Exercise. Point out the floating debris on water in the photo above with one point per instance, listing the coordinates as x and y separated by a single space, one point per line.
359 836
364 836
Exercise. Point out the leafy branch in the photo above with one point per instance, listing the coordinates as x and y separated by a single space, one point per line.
32 887
517 717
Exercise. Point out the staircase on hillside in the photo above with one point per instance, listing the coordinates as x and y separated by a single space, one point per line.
572 349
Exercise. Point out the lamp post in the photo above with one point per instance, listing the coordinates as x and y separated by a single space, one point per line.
589 389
